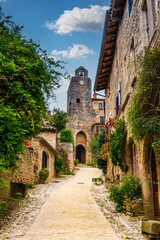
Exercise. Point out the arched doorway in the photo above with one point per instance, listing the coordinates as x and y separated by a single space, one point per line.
81 154
154 184
44 160
81 142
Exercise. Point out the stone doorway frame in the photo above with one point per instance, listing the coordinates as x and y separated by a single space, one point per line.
81 139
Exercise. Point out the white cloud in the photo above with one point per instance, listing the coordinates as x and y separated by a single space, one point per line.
86 19
77 51
2 0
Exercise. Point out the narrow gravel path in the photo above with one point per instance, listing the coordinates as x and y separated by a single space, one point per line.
71 213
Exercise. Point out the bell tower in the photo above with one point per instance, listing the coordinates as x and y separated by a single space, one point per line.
79 94
79 109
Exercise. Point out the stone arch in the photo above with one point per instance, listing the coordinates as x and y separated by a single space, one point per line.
81 144
150 175
45 159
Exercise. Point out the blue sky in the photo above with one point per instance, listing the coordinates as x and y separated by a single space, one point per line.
69 30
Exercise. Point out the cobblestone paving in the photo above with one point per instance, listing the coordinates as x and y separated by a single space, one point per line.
18 222
125 225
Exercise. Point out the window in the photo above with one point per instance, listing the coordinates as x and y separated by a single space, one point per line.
102 119
100 106
78 100
118 99
119 95
130 2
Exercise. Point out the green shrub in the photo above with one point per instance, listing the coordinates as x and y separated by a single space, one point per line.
76 161
131 186
67 172
58 164
44 173
29 185
66 136
92 164
97 180
117 195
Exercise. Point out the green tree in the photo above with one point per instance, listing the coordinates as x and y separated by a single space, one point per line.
117 142
101 163
59 119
94 147
28 77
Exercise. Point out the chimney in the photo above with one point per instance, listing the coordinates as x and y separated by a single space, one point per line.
94 95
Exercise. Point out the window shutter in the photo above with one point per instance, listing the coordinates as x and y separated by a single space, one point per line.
116 106
119 95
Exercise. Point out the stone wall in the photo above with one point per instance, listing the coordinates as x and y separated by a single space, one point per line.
5 191
95 107
68 147
135 32
83 111
50 136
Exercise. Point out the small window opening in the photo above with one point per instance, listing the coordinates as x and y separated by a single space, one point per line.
102 119
78 100
130 3
100 106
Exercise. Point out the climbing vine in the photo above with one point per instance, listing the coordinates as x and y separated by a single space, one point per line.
144 111
117 143
102 164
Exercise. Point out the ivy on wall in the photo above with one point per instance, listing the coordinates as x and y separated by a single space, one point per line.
144 111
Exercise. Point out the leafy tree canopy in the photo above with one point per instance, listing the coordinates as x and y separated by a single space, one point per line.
28 77
59 119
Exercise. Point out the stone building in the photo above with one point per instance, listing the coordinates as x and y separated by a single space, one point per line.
129 27
39 153
86 115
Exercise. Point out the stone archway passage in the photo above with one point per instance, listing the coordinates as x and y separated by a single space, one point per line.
81 154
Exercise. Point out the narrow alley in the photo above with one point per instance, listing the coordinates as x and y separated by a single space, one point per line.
72 213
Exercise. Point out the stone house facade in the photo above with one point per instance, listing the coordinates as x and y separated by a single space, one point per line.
129 27
39 153
83 113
